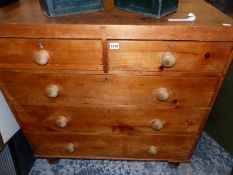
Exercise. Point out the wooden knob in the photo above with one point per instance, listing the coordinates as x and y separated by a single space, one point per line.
153 150
168 60
52 91
70 148
62 121
41 57
162 94
157 124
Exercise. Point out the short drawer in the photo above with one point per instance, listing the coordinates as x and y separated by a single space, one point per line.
51 54
115 120
159 56
74 89
72 145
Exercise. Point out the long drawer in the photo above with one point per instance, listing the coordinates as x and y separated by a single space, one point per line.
195 57
74 89
116 120
70 145
51 54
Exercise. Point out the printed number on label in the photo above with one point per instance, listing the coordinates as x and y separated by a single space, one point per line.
114 46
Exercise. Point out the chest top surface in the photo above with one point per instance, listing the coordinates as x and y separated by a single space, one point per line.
25 19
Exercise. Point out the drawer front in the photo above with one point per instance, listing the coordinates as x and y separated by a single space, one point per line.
115 120
73 89
193 57
59 54
118 147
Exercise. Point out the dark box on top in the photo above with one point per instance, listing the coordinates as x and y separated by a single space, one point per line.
157 8
6 2
66 7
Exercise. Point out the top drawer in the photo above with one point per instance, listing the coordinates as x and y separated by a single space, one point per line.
51 54
159 56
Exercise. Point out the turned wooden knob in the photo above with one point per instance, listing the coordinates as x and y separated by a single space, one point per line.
157 124
52 91
168 60
153 150
41 57
62 121
162 94
70 148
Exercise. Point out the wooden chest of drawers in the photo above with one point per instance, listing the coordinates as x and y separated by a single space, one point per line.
113 84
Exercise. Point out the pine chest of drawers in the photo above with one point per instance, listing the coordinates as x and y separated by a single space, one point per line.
113 84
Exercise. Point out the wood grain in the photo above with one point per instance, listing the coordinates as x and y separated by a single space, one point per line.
29 88
112 147
129 120
190 56
108 96
64 54
105 55
116 24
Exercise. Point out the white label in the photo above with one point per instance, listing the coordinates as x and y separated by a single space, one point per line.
8 124
226 24
114 46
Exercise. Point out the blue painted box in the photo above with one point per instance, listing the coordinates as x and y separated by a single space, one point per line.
156 8
67 7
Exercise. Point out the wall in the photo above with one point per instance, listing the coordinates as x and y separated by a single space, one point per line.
220 123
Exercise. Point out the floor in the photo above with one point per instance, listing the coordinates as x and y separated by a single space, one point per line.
208 159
